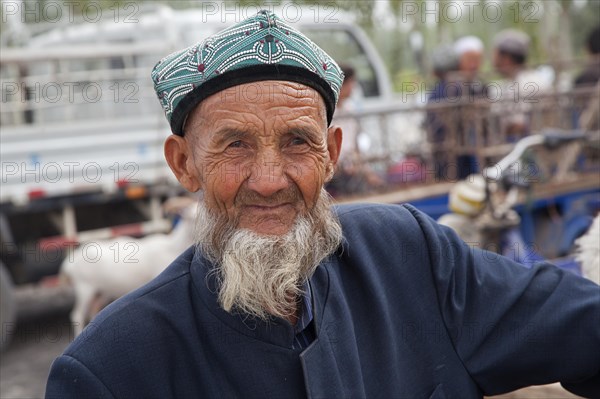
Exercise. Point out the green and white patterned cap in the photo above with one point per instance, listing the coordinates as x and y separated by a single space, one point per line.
262 47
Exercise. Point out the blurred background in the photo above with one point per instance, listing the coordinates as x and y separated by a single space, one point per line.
558 28
435 91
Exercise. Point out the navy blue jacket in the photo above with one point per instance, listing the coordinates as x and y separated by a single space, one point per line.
403 310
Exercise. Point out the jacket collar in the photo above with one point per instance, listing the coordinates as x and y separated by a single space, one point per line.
276 331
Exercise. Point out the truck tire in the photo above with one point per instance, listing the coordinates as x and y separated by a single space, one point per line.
7 307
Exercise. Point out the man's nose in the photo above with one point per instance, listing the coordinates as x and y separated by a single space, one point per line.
268 177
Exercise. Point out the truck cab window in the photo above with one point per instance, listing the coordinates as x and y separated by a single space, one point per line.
344 48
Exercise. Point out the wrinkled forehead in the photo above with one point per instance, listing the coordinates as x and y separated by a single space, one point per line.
264 95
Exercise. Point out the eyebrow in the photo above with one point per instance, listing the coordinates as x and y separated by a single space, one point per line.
229 134
306 133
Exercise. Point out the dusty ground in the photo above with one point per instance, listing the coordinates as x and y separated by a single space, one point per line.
44 331
41 333
24 366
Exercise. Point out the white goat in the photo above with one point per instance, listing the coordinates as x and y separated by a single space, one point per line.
121 265
588 252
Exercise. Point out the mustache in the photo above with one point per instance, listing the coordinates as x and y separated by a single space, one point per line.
224 224
248 197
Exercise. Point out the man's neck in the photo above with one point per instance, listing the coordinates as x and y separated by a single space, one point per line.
293 317
295 313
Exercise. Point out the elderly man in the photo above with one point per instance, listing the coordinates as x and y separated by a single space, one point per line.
285 296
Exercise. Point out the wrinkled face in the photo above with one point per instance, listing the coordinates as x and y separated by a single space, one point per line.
260 151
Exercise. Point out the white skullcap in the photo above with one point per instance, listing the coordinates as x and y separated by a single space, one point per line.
468 44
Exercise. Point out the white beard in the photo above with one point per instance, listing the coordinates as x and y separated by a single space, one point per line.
262 275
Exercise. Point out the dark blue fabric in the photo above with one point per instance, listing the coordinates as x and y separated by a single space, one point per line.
303 329
403 310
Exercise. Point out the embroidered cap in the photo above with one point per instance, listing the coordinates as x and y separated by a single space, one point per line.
262 47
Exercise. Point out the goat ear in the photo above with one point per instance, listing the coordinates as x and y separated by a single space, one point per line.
178 155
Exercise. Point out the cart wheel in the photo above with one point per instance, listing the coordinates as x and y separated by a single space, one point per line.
7 307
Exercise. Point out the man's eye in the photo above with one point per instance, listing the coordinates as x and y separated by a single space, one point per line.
236 144
298 141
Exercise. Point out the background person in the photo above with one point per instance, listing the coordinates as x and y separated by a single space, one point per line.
444 61
469 50
458 88
591 74
520 85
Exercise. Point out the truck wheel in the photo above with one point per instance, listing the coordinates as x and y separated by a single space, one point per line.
7 307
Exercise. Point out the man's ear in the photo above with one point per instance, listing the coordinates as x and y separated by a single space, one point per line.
178 155
334 145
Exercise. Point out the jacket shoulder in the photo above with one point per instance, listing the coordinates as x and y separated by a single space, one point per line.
381 220
366 212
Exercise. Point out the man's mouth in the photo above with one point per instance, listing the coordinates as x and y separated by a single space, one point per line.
267 207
